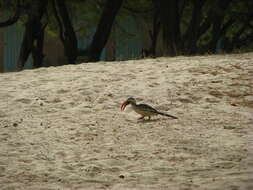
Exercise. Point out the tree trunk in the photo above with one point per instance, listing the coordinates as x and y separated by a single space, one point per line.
171 26
67 33
191 35
153 34
37 50
217 24
33 39
103 29
156 29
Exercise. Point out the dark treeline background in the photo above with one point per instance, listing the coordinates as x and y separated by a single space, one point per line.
179 27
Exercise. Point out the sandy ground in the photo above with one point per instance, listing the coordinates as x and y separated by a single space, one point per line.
62 128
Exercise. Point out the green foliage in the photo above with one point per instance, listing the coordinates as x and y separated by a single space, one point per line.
85 15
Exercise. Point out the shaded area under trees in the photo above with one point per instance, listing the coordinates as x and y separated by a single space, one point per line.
198 26
185 27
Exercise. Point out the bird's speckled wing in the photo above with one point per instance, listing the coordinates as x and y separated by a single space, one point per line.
145 110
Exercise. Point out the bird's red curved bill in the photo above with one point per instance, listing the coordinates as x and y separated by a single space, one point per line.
123 105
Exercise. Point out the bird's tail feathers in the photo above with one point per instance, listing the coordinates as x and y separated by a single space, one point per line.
165 114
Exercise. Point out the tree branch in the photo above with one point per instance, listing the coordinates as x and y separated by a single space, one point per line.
56 14
190 37
13 19
67 33
227 25
103 29
238 34
137 11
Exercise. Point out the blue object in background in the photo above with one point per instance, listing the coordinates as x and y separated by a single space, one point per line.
13 36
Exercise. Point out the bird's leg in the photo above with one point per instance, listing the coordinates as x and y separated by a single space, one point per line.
142 117
149 117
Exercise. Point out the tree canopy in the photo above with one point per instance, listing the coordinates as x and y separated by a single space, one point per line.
178 27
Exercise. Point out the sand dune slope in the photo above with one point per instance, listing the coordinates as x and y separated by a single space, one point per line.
62 128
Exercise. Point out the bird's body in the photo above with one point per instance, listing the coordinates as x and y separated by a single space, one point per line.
143 109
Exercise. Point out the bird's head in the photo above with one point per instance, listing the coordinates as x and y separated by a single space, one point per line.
130 100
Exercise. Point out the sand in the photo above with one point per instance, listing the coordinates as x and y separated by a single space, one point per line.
62 128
